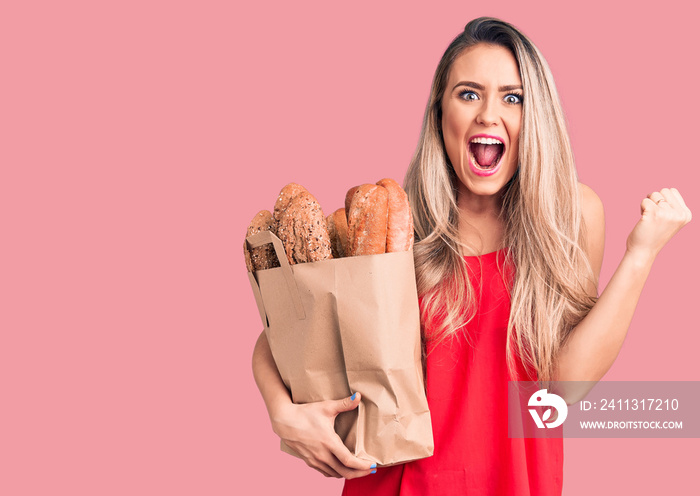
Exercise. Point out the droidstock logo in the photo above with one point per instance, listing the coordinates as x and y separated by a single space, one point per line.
543 398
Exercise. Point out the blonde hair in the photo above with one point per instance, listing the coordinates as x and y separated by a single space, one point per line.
541 213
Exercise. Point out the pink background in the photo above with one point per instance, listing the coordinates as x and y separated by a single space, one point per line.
139 138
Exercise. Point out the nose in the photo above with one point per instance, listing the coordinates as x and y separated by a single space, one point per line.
488 114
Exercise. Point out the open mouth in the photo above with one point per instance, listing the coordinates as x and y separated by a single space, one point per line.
486 152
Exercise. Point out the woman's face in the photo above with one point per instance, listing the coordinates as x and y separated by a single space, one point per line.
481 115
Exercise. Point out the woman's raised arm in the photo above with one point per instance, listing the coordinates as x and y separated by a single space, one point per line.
596 341
309 428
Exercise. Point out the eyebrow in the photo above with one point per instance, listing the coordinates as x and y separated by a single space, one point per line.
481 87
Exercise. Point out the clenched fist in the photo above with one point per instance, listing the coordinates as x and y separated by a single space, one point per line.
664 213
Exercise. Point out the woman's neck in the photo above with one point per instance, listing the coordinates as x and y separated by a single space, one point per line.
480 226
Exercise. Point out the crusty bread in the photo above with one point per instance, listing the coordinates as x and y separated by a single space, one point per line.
348 200
399 235
248 261
376 219
262 257
367 220
302 229
285 198
338 231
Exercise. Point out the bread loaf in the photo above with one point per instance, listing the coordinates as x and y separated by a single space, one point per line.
376 219
248 261
262 257
367 220
348 200
302 229
338 232
399 235
285 198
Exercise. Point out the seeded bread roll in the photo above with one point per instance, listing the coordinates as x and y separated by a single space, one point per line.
262 257
302 229
367 220
248 261
285 198
338 232
399 235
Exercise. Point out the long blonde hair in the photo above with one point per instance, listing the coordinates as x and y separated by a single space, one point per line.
540 211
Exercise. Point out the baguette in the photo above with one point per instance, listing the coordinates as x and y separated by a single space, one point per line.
367 220
348 200
399 235
338 231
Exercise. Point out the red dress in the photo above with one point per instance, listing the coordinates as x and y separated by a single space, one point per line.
468 399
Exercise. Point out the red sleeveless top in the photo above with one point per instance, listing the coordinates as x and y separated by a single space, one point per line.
467 389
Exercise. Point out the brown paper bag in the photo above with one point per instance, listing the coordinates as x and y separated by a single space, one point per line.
345 325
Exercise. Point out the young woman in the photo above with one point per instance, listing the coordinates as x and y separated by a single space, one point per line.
508 252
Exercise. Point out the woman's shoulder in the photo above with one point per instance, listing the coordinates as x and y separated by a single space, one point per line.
594 219
589 199
591 207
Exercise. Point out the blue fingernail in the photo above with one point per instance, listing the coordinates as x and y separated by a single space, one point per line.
374 465
373 472
352 398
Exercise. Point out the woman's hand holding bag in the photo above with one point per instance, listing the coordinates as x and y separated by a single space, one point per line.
309 430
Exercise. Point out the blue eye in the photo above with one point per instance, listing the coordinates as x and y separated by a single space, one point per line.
514 98
469 95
